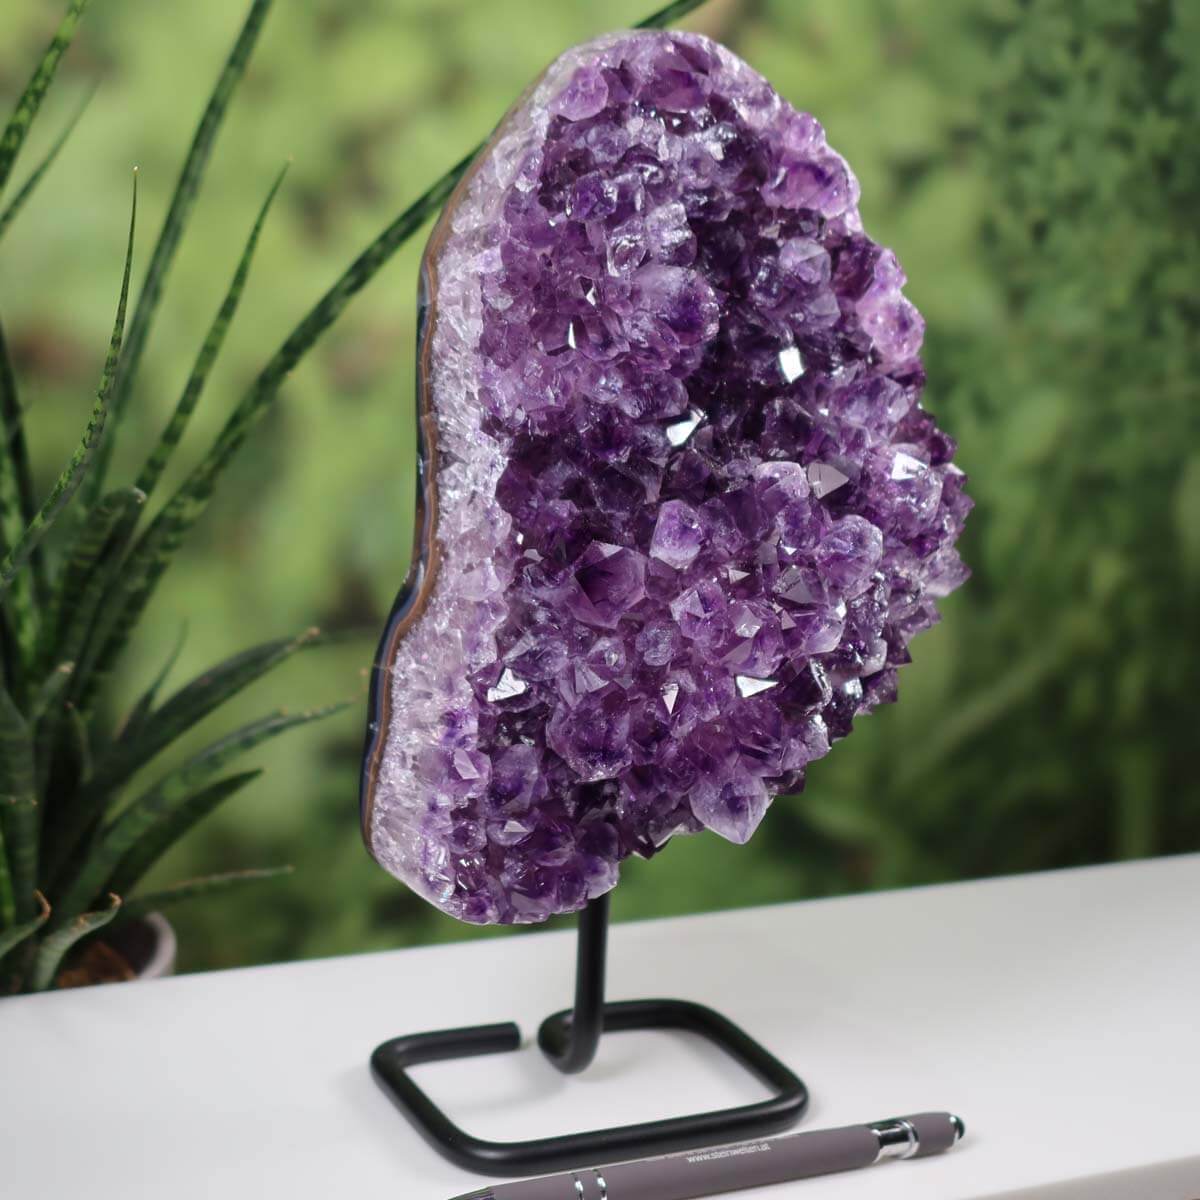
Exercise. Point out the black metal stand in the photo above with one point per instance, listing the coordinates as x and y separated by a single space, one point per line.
569 1039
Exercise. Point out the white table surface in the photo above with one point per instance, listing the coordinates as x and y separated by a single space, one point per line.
1059 1014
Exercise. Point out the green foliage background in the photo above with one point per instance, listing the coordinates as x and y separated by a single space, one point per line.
1035 167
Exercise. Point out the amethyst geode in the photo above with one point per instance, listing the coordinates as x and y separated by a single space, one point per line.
682 511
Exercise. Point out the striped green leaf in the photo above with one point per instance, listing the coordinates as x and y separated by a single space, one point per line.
145 702
178 213
46 714
672 12
321 316
16 479
191 704
162 538
17 606
8 905
50 692
80 607
31 98
166 797
55 946
15 205
70 479
206 885
14 936
94 555
18 806
74 823
171 436
158 841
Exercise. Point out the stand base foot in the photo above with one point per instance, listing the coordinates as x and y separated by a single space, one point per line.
391 1061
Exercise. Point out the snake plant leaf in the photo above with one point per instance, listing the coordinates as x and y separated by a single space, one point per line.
145 702
178 213
158 544
17 621
45 714
158 841
70 479
16 479
204 886
8 905
18 806
15 205
171 436
31 98
49 693
71 609
191 704
672 12
18 933
80 606
81 742
75 821
166 797
321 316
55 945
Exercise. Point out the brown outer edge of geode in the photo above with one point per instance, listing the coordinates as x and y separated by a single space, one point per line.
427 557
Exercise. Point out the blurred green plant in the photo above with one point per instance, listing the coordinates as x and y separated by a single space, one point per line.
71 845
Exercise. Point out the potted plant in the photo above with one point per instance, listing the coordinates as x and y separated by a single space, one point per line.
76 572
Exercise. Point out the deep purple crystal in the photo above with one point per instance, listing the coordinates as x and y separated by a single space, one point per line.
689 510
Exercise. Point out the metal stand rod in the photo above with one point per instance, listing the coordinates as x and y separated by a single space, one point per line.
570 1040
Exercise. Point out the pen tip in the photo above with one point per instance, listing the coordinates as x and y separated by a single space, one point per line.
960 1128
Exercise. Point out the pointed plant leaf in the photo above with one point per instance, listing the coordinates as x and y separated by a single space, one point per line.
157 545
80 608
17 509
71 610
56 944
45 718
49 693
16 478
145 702
672 12
15 205
76 820
178 213
171 436
192 703
153 845
18 933
166 797
70 479
81 742
31 98
206 885
18 806
8 904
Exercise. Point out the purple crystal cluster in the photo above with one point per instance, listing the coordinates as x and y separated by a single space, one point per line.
690 509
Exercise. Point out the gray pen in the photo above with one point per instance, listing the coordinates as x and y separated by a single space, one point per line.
709 1171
